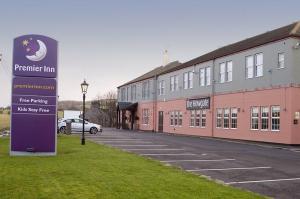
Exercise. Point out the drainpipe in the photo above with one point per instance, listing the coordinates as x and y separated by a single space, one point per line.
213 99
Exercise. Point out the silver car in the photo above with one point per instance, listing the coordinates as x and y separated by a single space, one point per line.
76 126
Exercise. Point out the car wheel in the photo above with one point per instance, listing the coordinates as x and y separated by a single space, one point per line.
62 129
93 130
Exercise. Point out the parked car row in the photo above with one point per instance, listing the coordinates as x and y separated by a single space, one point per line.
76 126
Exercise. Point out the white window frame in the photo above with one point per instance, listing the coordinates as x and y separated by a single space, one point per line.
259 68
207 76
254 117
202 76
185 80
275 117
171 118
203 118
281 60
191 75
250 68
133 92
219 118
226 112
192 118
263 117
161 87
198 118
145 116
222 72
229 69
172 83
233 116
176 83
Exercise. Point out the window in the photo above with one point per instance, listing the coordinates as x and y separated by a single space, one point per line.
222 72
234 118
275 119
172 83
259 65
281 60
188 80
254 118
145 116
249 66
176 118
185 80
229 71
219 118
161 87
146 90
207 79
202 77
264 118
180 119
191 79
176 83
198 113
192 118
203 118
127 94
123 94
226 118
133 92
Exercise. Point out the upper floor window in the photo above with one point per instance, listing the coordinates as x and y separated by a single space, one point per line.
226 72
281 60
123 94
254 66
188 80
275 118
205 76
259 70
133 92
127 94
161 87
174 80
146 90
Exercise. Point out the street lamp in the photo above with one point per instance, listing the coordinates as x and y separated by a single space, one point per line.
84 87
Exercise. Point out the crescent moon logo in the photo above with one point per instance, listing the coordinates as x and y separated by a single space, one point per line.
40 54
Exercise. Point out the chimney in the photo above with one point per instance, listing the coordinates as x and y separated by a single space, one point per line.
165 58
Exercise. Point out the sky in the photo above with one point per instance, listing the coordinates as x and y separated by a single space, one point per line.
111 42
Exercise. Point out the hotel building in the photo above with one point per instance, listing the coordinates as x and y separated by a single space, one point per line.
249 90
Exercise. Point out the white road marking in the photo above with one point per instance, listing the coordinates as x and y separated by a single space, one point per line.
164 154
144 145
227 169
119 141
261 181
155 149
169 161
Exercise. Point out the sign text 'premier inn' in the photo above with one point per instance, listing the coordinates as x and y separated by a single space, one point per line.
34 96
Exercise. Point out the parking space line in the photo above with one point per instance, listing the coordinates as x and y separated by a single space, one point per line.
164 154
119 141
170 161
262 181
144 145
228 169
156 149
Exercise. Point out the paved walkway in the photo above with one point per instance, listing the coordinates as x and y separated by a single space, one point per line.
272 170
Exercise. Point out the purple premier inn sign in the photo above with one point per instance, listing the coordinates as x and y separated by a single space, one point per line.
34 96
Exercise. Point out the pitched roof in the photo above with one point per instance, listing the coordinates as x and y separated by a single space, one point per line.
292 30
152 73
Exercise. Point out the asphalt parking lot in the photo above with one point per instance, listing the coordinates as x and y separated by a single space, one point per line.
271 170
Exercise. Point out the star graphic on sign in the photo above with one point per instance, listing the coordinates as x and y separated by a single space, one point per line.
27 49
25 42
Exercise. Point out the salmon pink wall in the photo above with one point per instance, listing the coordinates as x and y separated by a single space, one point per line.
295 108
142 126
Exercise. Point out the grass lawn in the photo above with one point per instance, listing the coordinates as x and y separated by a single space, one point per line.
4 121
96 171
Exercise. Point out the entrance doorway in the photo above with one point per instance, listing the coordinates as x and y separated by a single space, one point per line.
160 121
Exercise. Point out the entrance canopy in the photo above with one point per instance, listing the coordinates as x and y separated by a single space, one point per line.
127 106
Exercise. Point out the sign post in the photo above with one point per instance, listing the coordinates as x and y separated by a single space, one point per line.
34 96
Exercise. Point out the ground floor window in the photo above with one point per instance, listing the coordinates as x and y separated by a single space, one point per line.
265 118
254 118
198 118
275 121
219 118
145 116
176 118
234 112
226 118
